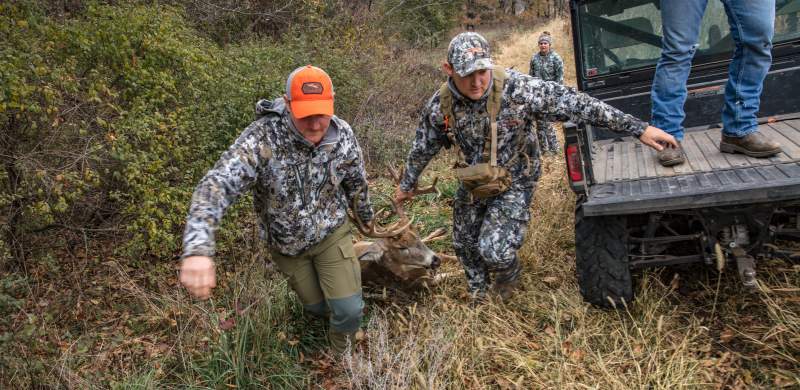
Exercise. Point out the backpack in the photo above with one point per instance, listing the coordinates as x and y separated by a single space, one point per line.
265 107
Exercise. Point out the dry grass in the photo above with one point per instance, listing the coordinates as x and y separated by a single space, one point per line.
522 44
687 328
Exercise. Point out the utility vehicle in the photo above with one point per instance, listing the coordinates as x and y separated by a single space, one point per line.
723 210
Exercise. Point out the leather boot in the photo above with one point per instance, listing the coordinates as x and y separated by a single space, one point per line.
753 145
340 341
505 290
671 156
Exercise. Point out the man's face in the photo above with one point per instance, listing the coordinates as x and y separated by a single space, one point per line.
544 47
313 127
473 85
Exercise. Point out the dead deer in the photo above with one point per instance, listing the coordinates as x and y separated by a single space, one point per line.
398 257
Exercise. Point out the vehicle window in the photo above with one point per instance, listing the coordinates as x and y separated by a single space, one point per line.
787 14
618 36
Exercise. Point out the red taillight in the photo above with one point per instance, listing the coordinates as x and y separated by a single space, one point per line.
574 163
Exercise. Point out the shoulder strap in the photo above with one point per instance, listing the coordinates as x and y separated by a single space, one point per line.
493 108
446 104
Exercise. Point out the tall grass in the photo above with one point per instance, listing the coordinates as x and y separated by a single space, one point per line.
683 330
686 329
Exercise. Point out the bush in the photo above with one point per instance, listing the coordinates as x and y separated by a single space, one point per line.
112 116
417 22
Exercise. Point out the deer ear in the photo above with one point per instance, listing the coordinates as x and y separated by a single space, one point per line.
371 254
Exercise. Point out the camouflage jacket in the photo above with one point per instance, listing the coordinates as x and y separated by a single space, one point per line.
525 100
301 191
548 67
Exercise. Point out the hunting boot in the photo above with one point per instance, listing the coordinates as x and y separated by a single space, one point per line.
506 290
340 341
507 282
671 156
753 145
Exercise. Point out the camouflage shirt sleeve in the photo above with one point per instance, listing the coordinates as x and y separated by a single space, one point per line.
532 66
233 174
559 102
354 181
558 65
426 143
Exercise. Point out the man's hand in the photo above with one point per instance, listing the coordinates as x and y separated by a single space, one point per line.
401 196
198 275
657 138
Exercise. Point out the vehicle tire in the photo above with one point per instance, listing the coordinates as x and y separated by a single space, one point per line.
601 253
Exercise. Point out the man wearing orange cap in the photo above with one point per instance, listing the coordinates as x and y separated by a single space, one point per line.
304 167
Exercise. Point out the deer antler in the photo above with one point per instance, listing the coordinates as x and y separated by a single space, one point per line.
437 234
397 176
373 230
446 257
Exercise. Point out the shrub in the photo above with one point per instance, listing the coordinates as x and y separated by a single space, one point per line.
110 117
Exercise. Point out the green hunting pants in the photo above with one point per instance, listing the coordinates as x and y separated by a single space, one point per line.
327 279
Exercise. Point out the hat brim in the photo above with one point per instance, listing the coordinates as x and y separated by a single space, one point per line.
304 108
475 66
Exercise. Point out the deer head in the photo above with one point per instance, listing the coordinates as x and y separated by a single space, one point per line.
398 248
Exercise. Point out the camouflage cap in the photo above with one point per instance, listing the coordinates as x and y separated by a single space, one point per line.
469 52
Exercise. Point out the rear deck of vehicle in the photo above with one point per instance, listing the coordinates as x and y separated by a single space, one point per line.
629 179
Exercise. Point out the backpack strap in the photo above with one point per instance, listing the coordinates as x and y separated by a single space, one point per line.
493 108
446 105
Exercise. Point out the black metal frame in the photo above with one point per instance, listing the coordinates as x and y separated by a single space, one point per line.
704 229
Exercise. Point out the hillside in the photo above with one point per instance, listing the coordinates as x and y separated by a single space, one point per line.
131 103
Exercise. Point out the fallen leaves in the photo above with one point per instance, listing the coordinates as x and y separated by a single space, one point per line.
551 280
727 335
228 324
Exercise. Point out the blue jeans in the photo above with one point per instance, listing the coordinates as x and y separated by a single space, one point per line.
752 27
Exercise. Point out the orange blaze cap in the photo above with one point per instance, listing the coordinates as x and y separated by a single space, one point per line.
310 92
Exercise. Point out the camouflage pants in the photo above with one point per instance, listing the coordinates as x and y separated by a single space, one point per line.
548 142
487 234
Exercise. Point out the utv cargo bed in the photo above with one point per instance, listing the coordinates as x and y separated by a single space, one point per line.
629 180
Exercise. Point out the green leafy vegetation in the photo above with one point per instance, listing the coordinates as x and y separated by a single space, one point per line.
110 112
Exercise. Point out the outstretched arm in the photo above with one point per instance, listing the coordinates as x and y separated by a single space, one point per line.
233 173
562 102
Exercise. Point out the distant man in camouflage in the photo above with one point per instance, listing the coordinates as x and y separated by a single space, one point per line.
487 232
548 66
304 167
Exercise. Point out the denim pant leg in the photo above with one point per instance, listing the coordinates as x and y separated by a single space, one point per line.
752 27
681 27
